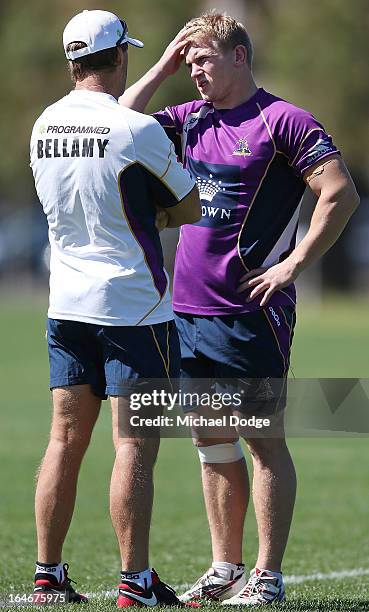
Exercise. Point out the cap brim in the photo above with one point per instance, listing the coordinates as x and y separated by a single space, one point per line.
134 41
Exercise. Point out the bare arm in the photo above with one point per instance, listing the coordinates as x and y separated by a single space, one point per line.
138 95
337 200
187 210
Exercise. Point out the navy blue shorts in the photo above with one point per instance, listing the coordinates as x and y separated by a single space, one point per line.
112 359
255 345
250 347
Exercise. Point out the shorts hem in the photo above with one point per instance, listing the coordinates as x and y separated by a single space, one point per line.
73 382
69 382
120 391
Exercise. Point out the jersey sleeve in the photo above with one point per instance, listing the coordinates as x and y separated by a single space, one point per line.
169 181
303 140
172 119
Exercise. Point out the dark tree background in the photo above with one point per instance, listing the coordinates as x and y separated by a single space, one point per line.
312 53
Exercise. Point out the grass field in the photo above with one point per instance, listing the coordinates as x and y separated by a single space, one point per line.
331 525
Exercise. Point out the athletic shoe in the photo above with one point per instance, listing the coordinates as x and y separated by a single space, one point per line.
158 594
49 590
211 587
263 588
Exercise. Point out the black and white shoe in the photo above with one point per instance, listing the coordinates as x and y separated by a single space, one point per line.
158 594
49 589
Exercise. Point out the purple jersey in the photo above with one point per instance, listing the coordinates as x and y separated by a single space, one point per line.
248 163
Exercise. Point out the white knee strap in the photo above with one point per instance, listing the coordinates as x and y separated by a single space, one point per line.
221 453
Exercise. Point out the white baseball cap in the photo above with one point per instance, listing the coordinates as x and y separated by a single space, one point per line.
99 30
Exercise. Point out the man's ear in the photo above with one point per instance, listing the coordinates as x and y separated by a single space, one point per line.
120 58
240 55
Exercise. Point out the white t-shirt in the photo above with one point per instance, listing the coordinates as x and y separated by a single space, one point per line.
99 170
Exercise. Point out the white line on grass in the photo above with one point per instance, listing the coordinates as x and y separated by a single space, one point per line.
287 579
330 576
102 594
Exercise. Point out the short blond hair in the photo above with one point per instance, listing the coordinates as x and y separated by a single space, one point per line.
223 30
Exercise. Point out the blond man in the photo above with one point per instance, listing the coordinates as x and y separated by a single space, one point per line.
252 155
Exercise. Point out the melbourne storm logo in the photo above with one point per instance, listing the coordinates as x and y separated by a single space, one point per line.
242 148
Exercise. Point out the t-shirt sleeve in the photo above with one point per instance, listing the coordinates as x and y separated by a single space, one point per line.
172 117
169 181
304 140
171 120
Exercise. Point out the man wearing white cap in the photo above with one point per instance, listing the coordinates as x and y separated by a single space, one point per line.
99 171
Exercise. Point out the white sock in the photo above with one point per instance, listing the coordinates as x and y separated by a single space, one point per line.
226 570
143 579
55 569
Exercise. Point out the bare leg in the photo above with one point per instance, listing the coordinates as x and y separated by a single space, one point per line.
226 494
274 492
131 492
76 409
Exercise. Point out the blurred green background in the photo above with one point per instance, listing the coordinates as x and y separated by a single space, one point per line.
330 528
314 54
